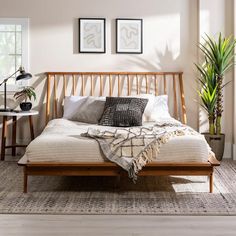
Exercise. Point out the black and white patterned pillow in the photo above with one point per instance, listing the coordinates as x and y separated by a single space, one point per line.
123 111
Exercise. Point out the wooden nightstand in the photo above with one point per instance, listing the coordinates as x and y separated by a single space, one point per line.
14 116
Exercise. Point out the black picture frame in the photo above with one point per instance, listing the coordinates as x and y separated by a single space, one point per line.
119 49
82 43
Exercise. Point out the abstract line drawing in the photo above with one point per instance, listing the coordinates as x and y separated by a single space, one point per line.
92 35
129 35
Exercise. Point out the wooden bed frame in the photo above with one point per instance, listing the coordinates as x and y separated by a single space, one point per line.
115 83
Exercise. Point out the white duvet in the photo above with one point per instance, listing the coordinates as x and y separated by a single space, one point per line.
61 142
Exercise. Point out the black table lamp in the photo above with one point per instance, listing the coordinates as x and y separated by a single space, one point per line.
22 75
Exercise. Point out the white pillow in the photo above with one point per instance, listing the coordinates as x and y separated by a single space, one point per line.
84 109
157 107
160 108
71 105
149 106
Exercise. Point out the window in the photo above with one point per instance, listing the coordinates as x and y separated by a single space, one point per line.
13 48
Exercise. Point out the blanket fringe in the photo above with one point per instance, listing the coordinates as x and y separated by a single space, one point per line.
147 154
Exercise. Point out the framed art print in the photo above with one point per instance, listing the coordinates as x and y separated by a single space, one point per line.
129 35
92 35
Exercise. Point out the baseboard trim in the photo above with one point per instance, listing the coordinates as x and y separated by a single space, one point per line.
234 151
228 151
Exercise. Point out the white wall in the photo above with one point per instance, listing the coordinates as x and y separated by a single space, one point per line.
170 39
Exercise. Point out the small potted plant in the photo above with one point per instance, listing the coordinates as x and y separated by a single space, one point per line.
218 59
23 95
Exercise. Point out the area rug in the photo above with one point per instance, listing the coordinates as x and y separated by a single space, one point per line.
105 195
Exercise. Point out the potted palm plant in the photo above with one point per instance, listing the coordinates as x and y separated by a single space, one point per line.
207 93
23 95
218 59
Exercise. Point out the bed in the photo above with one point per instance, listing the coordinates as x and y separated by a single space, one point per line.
60 149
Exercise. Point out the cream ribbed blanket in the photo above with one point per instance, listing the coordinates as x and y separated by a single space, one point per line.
61 141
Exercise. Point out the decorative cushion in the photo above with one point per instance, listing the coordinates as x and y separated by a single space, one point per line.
84 109
123 111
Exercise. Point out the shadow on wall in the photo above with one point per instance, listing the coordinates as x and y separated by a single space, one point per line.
162 62
41 106
11 102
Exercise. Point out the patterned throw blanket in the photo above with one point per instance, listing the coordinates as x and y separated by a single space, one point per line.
132 148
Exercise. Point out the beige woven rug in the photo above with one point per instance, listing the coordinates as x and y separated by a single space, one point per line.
100 195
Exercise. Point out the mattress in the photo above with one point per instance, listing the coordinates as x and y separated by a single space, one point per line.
61 142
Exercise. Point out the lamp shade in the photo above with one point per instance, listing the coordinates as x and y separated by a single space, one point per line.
23 75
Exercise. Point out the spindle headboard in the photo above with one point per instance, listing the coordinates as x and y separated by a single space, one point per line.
61 84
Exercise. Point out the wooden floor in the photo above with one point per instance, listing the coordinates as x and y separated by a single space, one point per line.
94 225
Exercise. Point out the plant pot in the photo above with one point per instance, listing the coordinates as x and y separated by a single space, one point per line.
217 144
25 106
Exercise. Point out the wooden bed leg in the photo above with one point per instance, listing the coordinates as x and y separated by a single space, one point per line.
211 182
25 180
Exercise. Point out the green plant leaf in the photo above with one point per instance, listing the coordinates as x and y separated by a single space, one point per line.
26 92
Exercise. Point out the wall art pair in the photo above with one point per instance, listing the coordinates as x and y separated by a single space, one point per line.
92 35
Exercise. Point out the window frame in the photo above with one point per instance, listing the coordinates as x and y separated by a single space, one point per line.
24 22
